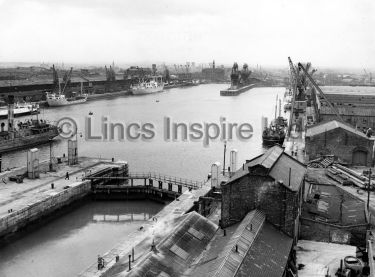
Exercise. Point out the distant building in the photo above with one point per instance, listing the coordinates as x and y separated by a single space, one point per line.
214 74
272 183
348 144
355 106
361 117
137 72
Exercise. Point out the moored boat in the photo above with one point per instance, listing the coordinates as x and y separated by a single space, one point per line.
20 109
148 85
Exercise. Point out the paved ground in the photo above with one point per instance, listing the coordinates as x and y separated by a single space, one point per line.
16 196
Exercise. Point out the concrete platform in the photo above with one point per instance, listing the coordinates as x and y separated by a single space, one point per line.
24 203
15 196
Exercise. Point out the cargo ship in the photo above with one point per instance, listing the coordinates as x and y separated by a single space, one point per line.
152 84
240 81
26 134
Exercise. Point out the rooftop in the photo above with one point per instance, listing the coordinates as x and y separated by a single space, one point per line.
277 163
348 111
332 125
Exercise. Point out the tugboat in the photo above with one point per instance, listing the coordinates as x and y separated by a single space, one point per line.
275 133
26 134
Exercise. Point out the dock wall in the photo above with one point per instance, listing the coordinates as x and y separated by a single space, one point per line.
43 207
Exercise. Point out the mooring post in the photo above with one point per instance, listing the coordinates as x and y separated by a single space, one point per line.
130 268
133 254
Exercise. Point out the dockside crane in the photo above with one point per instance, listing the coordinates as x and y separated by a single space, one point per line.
300 66
67 77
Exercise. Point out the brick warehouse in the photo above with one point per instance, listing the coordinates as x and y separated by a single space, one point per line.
343 141
272 183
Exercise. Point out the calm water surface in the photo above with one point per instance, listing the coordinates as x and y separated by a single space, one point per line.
69 244
183 105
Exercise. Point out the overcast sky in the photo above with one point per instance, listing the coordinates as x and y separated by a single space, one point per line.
330 33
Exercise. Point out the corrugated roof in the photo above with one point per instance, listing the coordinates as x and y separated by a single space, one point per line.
268 159
222 259
176 252
269 254
331 125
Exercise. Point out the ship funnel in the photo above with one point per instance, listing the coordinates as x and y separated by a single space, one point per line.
264 123
215 170
233 161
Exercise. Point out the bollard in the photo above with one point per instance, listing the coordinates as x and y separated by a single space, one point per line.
117 258
236 248
133 254
52 186
113 159
225 232
130 268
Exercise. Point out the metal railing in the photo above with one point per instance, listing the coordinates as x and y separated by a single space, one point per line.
154 176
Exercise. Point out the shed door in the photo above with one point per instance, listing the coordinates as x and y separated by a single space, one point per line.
359 158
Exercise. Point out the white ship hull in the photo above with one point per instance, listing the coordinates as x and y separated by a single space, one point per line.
20 110
60 100
145 90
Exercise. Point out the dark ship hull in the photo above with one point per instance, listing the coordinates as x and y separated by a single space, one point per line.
20 142
275 134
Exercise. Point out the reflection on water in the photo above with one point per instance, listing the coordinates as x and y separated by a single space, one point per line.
186 159
69 244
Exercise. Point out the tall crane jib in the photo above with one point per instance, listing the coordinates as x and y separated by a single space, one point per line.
301 67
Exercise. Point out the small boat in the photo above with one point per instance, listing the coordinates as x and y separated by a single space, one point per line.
149 85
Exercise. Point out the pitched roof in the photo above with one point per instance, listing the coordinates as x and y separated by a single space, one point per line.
269 254
331 125
278 164
221 258
179 248
280 172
